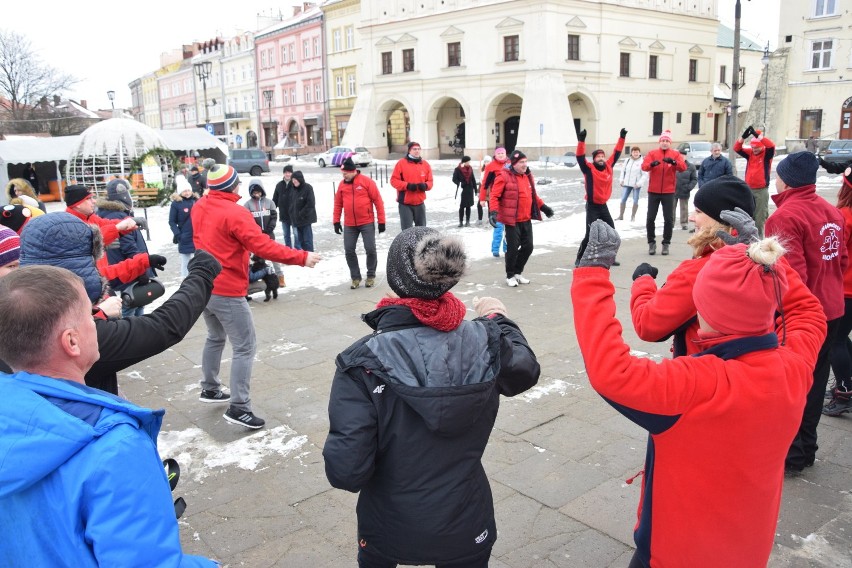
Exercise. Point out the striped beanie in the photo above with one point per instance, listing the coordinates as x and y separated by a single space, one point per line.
222 178
10 246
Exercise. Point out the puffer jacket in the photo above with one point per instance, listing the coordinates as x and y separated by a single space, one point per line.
129 245
99 453
180 222
411 410
358 198
514 198
632 174
303 209
406 171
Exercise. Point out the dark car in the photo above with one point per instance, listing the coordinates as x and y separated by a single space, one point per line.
251 160
838 151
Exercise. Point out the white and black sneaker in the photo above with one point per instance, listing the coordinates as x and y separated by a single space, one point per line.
214 396
521 279
243 418
512 282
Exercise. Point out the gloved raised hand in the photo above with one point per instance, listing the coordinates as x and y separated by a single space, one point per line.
748 131
744 225
644 269
492 218
486 306
337 228
623 133
602 247
411 187
175 239
156 261
381 227
547 210
655 163
669 161
834 167
204 263
581 136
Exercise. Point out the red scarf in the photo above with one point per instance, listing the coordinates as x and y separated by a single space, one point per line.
466 172
444 314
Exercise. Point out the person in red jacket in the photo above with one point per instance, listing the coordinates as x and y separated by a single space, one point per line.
813 231
228 232
720 422
662 165
758 164
515 203
358 195
80 202
412 178
598 180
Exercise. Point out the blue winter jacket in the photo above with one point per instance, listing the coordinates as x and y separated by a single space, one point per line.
127 246
81 483
181 223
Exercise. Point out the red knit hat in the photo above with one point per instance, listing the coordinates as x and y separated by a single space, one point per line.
737 295
756 143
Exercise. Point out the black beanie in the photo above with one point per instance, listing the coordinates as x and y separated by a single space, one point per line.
724 193
74 194
516 156
423 263
798 169
348 165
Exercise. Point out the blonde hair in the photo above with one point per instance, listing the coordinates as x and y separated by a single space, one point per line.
706 236
766 251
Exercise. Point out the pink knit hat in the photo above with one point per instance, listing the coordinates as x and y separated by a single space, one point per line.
666 135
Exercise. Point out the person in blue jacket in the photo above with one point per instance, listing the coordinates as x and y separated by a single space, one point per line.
180 222
81 483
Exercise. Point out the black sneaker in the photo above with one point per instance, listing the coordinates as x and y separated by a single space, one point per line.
214 396
243 418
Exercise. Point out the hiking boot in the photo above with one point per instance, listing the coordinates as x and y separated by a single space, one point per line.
355 283
461 224
684 228
665 249
281 283
214 396
370 282
512 282
840 403
521 279
652 248
467 223
243 418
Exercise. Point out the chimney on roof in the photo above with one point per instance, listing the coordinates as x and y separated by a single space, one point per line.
56 100
83 104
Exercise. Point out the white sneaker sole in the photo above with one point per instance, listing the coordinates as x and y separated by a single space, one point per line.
243 424
214 400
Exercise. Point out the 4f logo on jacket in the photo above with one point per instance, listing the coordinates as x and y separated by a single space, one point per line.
379 389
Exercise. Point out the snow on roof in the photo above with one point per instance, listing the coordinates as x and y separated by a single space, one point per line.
117 136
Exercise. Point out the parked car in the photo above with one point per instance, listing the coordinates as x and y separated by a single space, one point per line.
569 159
838 151
251 160
695 152
338 154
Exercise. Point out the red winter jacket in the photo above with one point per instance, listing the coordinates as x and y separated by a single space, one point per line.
598 182
813 232
228 232
757 166
514 198
107 226
662 178
358 199
409 171
847 274
125 271
719 427
492 170
660 313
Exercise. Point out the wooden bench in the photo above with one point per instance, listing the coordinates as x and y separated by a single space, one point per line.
145 196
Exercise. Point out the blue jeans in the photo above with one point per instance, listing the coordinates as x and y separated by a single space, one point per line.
285 227
304 237
496 238
626 194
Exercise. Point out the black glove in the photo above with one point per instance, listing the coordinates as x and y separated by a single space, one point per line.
581 136
492 218
422 186
669 161
381 227
204 263
143 279
655 163
623 133
602 246
644 269
175 239
547 211
157 261
412 187
742 222
337 228
748 131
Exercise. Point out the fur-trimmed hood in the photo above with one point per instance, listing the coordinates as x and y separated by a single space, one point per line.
107 205
23 185
177 197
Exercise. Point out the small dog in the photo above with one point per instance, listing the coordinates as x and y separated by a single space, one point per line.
270 279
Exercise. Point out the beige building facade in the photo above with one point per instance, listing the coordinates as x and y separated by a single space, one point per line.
343 56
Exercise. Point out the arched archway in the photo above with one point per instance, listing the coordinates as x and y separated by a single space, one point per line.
397 125
293 132
583 111
448 116
504 116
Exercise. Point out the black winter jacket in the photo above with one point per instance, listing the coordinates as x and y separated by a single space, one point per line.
127 246
303 210
411 410
281 197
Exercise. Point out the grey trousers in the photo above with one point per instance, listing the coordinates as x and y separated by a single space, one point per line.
350 240
412 216
229 318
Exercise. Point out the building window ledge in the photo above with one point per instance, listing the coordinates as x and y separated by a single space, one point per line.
454 68
517 62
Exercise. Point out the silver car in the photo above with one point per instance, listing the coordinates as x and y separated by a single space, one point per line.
695 152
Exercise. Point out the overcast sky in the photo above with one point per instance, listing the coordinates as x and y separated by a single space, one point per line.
107 45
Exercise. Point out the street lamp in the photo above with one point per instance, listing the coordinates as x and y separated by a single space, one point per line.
202 71
111 95
735 86
267 95
182 108
765 61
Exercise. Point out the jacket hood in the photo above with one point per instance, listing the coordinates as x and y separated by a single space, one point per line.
177 197
255 184
447 378
39 436
299 176
106 205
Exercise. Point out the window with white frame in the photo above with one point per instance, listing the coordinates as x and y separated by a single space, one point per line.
306 49
825 8
271 56
338 86
263 60
351 84
307 93
292 95
283 54
317 93
316 47
286 97
350 37
292 50
821 54
336 40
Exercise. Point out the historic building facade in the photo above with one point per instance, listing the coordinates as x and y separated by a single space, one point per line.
342 19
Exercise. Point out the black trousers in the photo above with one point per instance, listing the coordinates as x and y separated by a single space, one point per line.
655 200
368 558
802 452
594 212
519 243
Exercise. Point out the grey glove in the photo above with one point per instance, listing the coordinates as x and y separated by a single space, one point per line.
602 247
141 222
744 225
